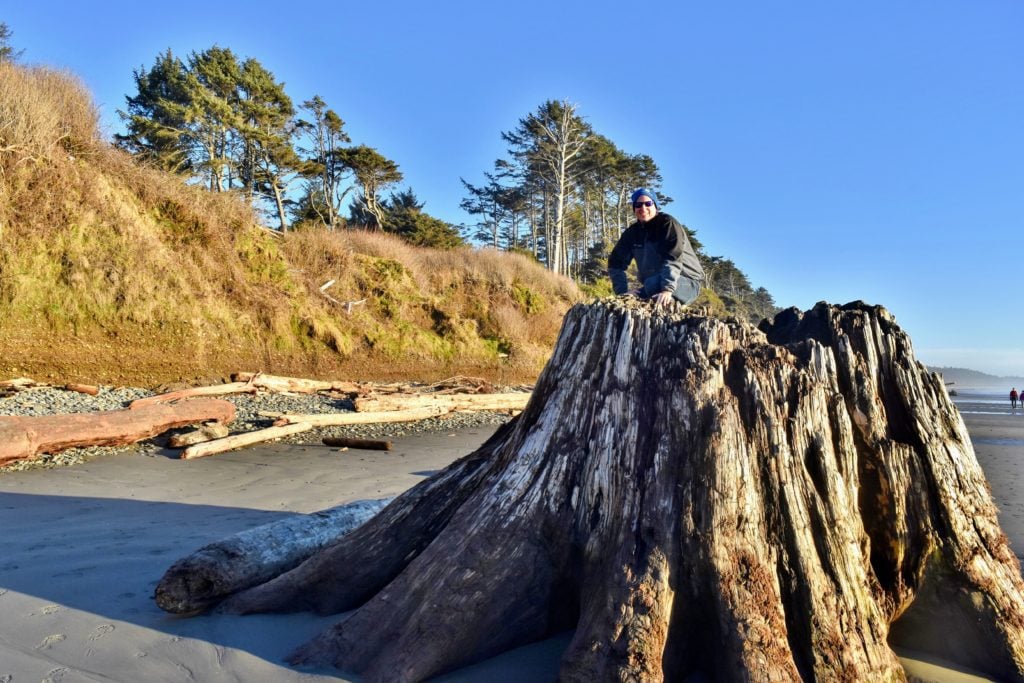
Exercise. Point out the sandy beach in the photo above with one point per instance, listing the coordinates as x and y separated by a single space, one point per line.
84 547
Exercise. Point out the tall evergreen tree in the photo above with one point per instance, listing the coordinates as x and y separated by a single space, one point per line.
550 142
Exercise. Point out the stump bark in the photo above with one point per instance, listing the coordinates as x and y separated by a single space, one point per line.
689 495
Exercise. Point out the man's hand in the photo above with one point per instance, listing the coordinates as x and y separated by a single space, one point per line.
662 298
634 292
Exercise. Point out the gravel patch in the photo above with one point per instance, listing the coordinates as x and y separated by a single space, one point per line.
53 401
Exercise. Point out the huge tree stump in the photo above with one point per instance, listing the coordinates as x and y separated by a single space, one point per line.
689 494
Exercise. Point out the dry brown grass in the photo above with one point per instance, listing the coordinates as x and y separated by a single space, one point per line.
45 113
113 270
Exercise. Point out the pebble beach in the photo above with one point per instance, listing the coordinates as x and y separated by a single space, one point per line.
52 401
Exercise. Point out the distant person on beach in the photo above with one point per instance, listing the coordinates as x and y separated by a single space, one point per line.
1013 398
665 261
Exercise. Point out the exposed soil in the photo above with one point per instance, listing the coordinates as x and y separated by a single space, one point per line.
152 359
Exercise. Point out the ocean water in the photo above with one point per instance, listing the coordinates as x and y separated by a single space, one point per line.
986 402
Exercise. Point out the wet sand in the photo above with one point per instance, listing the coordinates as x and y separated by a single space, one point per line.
84 546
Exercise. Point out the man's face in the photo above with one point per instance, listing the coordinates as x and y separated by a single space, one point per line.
644 208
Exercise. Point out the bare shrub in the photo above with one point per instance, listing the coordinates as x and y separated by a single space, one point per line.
44 112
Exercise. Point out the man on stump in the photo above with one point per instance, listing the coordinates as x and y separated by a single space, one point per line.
665 260
685 494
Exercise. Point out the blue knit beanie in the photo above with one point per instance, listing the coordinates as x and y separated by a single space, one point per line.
643 192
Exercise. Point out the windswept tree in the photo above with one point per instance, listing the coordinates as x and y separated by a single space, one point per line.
157 116
227 123
185 116
268 129
325 167
374 172
214 77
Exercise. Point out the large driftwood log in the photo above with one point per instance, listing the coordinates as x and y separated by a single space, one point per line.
456 402
23 438
248 558
690 495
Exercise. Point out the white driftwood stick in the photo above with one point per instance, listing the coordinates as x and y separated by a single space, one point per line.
350 304
238 440
326 285
457 402
333 419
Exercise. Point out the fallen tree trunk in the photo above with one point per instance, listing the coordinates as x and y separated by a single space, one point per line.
453 402
339 419
246 559
689 495
296 384
23 438
229 443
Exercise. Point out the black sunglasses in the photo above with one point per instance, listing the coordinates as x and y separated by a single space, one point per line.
637 205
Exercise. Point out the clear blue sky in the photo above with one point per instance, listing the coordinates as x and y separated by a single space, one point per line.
833 151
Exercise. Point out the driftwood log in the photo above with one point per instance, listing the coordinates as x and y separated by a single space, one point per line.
689 495
208 432
23 438
248 558
229 443
193 392
298 385
336 419
90 389
451 402
365 444
250 383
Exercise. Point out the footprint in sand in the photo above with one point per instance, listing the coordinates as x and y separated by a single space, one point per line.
50 641
55 675
97 633
46 611
101 630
